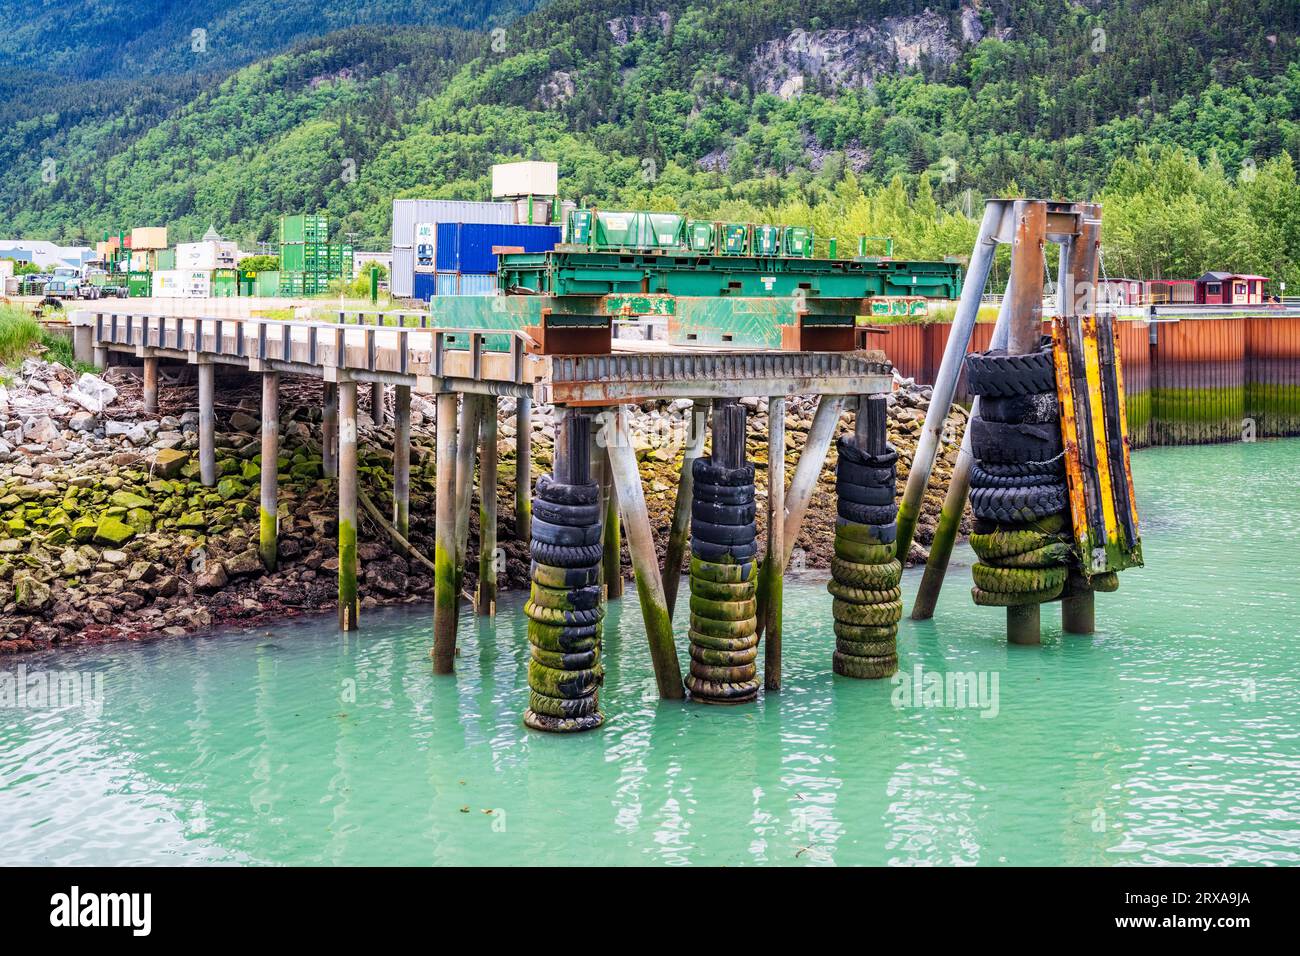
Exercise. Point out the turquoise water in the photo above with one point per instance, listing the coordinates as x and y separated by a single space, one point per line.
1168 737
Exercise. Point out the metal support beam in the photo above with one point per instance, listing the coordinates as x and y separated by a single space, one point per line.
909 510
523 469
329 432
207 425
402 460
679 531
773 578
645 563
349 605
151 385
269 508
486 598
444 533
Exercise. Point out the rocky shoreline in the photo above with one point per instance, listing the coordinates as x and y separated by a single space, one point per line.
107 534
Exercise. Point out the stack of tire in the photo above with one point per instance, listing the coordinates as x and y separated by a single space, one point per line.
1018 493
724 574
865 572
565 608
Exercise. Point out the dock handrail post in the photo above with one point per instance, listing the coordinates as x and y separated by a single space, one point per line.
941 395
444 553
680 531
207 424
349 605
773 579
486 597
402 460
268 511
645 562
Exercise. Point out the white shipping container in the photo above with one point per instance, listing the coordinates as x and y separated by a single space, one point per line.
149 237
205 255
182 284
525 179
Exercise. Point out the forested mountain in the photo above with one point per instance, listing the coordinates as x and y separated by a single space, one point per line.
833 111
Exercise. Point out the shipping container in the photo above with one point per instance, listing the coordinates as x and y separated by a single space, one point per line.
224 283
149 237
182 284
700 235
796 241
735 239
525 179
467 247
464 283
402 273
139 285
309 227
206 255
766 241
408 213
165 259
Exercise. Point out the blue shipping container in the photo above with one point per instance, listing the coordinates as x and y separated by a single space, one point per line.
465 283
467 247
424 288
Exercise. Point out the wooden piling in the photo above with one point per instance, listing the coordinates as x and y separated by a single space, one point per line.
523 469
773 578
679 533
329 431
402 459
349 604
645 563
268 510
612 533
150 385
485 602
471 408
444 534
207 425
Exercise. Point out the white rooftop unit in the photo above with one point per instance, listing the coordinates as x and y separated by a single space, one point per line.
525 179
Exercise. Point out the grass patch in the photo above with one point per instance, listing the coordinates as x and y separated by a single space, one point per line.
20 333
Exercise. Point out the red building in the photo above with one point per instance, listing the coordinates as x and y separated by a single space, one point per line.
1230 288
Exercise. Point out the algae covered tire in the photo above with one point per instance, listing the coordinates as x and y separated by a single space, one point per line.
885 575
558 683
1017 580
706 472
729 644
847 592
553 577
1105 582
1034 409
727 629
562 706
998 374
709 551
724 610
722 591
881 515
866 632
562 638
571 599
1017 505
562 494
1049 555
566 556
1013 598
863 553
558 660
866 648
871 615
724 573
562 725
577 516
1012 444
717 674
713 692
554 615
999 545
864 668
866 533
719 658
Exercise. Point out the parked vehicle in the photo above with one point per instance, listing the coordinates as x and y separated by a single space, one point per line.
69 283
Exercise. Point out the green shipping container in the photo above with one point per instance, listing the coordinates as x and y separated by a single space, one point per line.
165 260
139 285
700 235
735 239
796 241
292 257
267 285
225 284
767 241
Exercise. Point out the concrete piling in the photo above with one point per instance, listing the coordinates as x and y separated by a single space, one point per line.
485 602
207 425
444 533
471 411
151 385
329 431
268 511
349 605
378 414
402 460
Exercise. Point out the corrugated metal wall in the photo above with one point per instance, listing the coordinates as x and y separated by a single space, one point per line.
1203 380
408 212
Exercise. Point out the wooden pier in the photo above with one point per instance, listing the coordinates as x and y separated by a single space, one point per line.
465 376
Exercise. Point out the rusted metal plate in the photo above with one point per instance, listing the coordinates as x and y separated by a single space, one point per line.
1090 387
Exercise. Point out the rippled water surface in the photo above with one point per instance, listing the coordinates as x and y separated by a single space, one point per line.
1168 737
